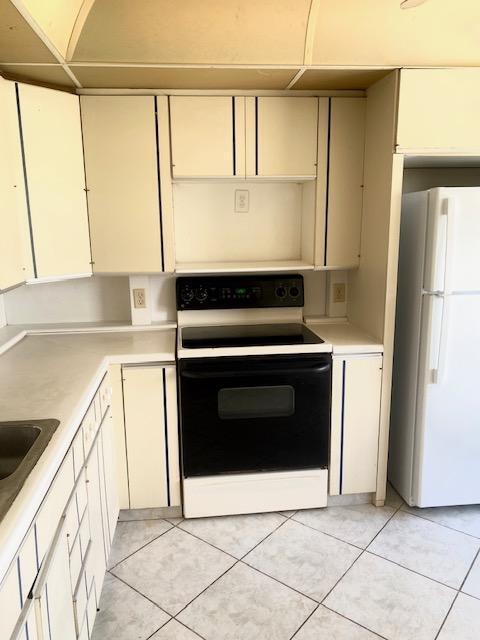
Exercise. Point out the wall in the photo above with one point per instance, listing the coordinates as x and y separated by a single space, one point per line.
96 299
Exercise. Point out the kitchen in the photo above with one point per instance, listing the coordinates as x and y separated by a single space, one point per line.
218 247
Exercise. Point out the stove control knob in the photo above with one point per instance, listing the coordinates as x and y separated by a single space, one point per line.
280 292
294 292
187 294
201 294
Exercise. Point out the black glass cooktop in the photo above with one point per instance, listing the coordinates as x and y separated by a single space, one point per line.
250 335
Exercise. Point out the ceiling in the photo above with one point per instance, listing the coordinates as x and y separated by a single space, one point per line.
231 44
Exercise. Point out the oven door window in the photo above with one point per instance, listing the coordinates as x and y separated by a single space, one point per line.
256 402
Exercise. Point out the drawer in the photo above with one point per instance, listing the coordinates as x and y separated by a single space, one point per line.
79 550
10 601
83 635
82 493
80 601
71 521
78 452
91 606
89 428
27 559
54 505
105 394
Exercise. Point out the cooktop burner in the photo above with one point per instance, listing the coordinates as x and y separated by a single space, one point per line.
247 335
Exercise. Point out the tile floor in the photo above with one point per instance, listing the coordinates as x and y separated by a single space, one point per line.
342 573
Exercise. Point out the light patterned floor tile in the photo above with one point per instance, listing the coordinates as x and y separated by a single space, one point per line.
426 547
234 534
304 559
173 630
124 614
246 605
390 600
463 622
327 625
357 524
127 515
472 583
131 536
465 519
173 569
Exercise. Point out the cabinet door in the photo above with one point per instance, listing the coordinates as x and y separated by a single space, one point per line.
345 182
53 595
144 401
10 601
96 517
122 180
111 510
438 110
202 136
15 251
356 387
53 152
286 131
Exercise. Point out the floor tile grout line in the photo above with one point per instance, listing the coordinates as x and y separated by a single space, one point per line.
358 624
440 524
469 571
141 594
157 630
305 621
139 548
446 616
330 535
190 629
210 544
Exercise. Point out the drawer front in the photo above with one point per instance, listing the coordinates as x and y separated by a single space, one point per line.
10 601
105 395
81 494
27 559
54 505
78 452
79 550
80 601
91 606
89 427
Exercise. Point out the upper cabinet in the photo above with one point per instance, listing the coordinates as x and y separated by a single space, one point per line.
204 137
338 240
53 157
438 111
122 169
285 136
15 250
238 137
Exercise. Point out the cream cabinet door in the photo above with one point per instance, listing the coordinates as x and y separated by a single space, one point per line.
203 134
286 136
110 513
52 595
15 249
356 388
96 516
438 111
151 435
122 179
53 153
345 183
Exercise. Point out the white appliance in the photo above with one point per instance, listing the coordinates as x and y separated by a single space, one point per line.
435 422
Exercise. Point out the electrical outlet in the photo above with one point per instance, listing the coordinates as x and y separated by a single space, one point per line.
242 200
139 299
338 293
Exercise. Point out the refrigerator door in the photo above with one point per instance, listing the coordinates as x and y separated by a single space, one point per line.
452 259
447 438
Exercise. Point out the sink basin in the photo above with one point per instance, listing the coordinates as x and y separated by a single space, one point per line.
21 445
15 443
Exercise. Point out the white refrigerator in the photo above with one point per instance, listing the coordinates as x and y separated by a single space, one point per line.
434 457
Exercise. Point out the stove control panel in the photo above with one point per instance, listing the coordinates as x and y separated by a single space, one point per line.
239 292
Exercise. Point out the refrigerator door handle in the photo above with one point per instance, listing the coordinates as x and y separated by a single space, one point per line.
438 374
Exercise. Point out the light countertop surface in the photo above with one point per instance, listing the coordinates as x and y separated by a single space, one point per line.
56 376
345 337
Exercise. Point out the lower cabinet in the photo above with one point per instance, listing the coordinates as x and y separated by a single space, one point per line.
151 435
52 596
356 389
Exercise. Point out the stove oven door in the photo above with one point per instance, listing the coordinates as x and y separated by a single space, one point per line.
254 413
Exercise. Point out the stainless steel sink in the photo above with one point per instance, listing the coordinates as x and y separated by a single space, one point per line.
21 445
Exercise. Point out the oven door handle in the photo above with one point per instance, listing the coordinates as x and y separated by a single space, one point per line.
232 373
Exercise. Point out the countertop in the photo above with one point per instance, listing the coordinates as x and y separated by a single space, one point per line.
345 337
55 376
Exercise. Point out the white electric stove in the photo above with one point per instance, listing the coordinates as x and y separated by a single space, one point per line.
254 396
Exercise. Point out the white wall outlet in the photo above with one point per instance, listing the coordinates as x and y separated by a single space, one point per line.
338 292
242 200
139 298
